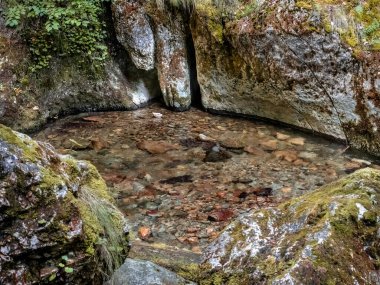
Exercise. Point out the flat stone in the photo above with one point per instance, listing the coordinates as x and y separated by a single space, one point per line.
157 147
297 141
138 272
254 150
281 136
307 155
269 145
287 155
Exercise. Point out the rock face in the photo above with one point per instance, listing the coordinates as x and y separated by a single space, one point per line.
57 220
312 65
28 100
166 32
329 236
134 32
172 62
136 272
291 62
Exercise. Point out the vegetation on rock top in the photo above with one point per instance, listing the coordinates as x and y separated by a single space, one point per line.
70 210
60 28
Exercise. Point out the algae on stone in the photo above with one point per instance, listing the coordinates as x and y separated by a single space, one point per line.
328 236
58 205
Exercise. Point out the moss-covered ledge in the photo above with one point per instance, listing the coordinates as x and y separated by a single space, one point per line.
58 222
328 236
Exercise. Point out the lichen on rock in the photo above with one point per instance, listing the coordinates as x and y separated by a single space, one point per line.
328 236
57 218
308 64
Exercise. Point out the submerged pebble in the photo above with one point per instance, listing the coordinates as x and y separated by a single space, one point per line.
194 170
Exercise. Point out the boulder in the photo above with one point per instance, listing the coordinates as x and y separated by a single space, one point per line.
137 272
134 32
155 36
58 222
328 236
172 62
310 65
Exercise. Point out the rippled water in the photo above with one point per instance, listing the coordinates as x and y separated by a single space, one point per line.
173 191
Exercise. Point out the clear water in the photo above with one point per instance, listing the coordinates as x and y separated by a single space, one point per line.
182 199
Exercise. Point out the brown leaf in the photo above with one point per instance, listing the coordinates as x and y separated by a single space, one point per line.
145 233
221 215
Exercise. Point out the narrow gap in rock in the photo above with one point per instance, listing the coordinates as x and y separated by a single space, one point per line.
192 62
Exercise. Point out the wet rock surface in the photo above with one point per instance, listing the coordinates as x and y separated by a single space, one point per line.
134 32
49 227
292 63
172 62
155 37
28 100
328 236
178 199
137 272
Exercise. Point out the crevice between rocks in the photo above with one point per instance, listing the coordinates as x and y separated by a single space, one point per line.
196 100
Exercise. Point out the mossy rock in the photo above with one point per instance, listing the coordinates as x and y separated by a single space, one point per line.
328 236
58 222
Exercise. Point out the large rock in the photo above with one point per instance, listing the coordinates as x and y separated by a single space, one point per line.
137 272
134 32
57 219
329 236
172 62
307 65
164 38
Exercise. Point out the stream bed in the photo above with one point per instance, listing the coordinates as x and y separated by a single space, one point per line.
180 178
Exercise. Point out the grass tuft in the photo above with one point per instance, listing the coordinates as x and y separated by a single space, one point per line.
112 242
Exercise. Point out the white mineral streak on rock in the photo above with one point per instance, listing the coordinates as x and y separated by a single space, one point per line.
322 235
333 207
361 210
141 94
134 32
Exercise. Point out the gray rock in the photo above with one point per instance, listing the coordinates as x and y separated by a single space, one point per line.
282 71
134 32
49 215
326 236
139 272
172 62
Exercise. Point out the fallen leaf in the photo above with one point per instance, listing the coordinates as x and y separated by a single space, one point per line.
269 145
99 144
286 189
144 233
220 215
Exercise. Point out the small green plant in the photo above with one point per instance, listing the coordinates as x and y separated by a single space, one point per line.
63 266
60 28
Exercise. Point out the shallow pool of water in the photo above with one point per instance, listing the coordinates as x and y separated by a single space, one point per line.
181 177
